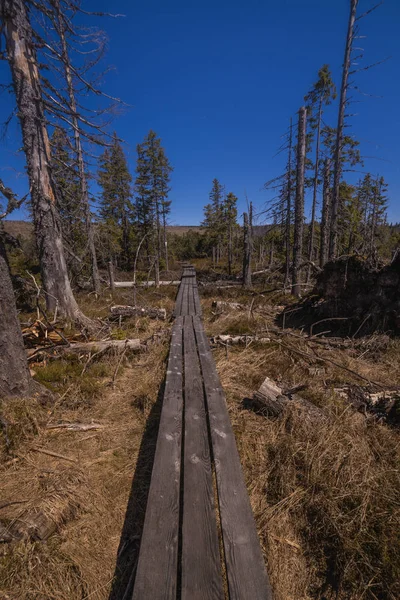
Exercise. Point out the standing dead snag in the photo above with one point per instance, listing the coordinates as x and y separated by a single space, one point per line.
247 242
339 132
27 86
325 214
299 201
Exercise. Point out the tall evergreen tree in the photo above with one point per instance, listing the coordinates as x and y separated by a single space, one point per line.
320 95
116 208
152 187
69 205
213 218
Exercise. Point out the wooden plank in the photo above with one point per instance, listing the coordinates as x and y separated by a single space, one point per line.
191 308
246 573
201 563
156 577
178 301
185 298
197 302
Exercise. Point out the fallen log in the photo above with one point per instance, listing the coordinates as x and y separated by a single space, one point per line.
222 306
137 311
128 284
86 347
39 522
271 401
234 340
383 405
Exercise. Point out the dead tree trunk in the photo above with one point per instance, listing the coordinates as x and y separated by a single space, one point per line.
333 237
299 201
326 201
15 379
246 250
230 258
288 205
26 80
78 147
315 189
165 241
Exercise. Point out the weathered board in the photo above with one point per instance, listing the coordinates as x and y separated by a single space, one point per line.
246 573
201 564
156 577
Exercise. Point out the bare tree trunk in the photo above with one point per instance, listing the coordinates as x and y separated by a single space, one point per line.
326 201
271 254
333 239
299 202
15 379
247 233
78 147
288 205
315 189
26 81
165 241
230 249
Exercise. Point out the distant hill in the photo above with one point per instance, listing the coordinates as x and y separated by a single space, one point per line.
25 228
19 228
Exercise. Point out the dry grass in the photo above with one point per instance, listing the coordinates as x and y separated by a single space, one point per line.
325 494
88 497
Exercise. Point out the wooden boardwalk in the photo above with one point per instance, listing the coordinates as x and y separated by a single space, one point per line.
197 492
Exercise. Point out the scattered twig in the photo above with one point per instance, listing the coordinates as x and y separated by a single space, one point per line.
51 453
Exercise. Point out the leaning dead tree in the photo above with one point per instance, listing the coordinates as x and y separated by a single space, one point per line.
299 201
27 85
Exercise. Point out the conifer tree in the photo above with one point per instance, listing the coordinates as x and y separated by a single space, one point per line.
116 208
151 194
68 202
213 218
321 95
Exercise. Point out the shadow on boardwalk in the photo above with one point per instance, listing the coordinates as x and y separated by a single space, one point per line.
129 546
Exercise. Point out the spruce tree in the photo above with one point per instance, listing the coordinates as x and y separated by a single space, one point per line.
116 208
213 218
151 195
320 95
68 202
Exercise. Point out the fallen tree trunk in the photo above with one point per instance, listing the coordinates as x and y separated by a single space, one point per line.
239 339
86 347
271 401
137 311
128 284
222 306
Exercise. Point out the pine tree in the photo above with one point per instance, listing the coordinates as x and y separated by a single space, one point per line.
321 95
69 206
116 209
213 218
151 193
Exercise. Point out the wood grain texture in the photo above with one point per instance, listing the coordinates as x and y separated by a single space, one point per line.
156 577
201 564
178 301
247 577
191 308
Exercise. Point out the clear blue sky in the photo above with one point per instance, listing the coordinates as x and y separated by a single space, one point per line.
218 81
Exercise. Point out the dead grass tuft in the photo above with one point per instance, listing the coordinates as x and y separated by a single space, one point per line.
324 494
